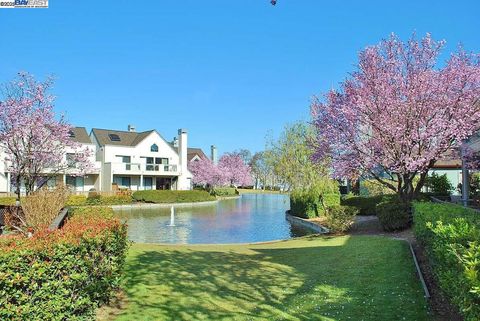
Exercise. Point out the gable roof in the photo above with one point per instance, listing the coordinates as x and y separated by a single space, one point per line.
80 135
126 138
192 152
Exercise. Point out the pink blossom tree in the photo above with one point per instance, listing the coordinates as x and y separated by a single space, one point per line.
34 141
398 113
205 172
231 170
236 172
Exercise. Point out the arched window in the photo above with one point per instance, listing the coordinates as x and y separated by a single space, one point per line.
154 148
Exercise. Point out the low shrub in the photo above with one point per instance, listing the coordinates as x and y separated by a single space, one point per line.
304 204
450 235
330 200
87 212
155 196
7 200
76 200
394 215
308 204
37 211
64 274
97 199
42 206
340 218
365 204
225 191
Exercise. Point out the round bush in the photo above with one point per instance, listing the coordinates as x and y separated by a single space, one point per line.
393 215
340 218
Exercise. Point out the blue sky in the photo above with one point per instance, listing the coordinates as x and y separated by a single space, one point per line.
228 71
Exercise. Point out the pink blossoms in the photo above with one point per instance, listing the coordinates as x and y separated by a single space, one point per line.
231 171
397 114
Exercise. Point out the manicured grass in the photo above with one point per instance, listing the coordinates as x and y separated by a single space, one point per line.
312 278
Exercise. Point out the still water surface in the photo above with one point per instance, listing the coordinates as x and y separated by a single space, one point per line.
250 218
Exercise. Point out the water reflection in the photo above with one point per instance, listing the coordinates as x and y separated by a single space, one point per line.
251 218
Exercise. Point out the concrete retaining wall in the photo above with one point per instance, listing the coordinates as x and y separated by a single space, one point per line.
306 223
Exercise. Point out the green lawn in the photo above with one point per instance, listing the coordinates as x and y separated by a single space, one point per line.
314 278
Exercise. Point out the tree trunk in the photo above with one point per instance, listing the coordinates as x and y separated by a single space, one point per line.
17 190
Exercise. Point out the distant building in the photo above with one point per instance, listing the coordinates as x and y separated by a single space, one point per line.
195 154
141 160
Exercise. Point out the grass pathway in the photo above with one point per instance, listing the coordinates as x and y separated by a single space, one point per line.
313 278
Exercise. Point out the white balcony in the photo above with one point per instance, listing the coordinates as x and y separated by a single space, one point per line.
126 168
144 169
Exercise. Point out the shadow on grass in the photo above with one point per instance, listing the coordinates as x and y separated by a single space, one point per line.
363 278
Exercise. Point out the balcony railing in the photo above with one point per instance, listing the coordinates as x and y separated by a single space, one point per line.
126 167
137 168
160 168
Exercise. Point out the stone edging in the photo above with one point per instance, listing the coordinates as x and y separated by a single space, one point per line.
160 205
306 223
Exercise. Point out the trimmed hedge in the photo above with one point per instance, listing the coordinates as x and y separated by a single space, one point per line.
306 204
393 215
65 274
89 212
97 199
451 237
225 191
155 196
7 200
76 200
366 204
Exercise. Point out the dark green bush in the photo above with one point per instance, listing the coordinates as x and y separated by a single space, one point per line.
393 215
62 275
340 218
304 204
451 237
308 204
155 196
225 191
366 204
438 184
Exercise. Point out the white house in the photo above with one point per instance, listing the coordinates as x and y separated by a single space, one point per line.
141 160
123 159
91 179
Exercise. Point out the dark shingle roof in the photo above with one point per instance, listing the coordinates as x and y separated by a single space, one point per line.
126 138
191 152
80 135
